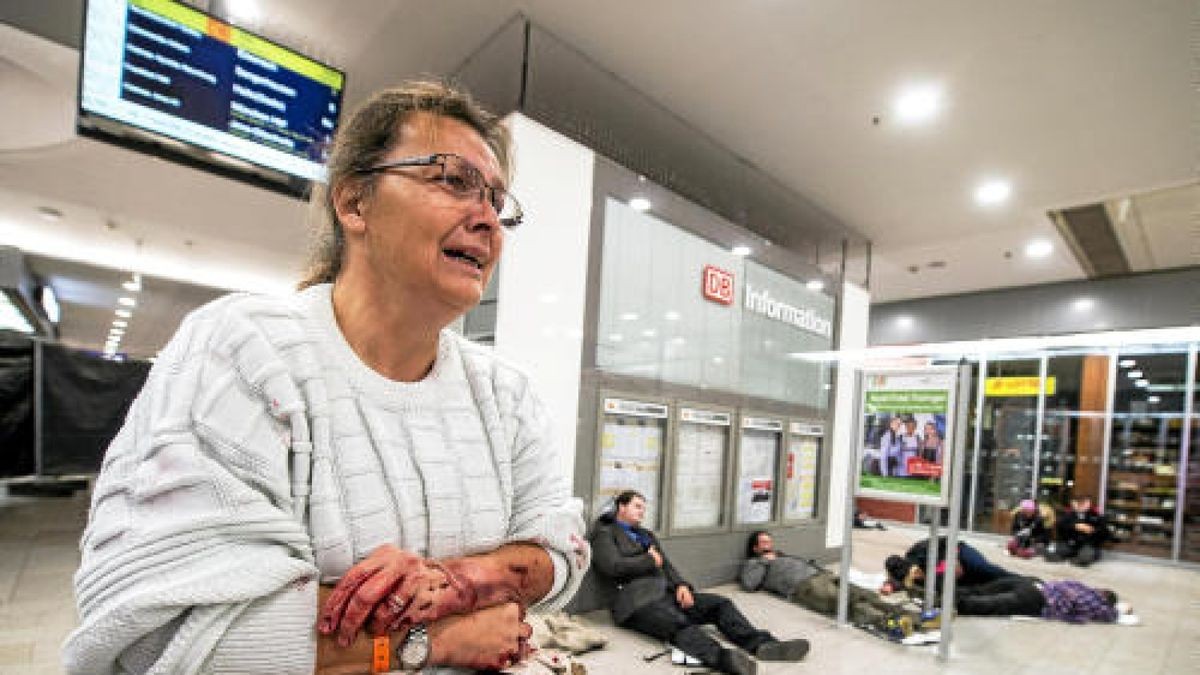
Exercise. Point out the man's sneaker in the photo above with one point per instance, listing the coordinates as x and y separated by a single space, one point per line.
782 650
736 662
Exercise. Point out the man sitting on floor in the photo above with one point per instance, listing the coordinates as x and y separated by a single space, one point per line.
806 584
1081 532
1067 600
653 598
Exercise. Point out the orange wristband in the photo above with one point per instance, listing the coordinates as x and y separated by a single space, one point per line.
381 654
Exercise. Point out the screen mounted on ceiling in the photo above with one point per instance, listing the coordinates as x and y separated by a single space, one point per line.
163 77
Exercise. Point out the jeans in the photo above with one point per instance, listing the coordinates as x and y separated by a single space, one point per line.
1007 596
976 568
666 620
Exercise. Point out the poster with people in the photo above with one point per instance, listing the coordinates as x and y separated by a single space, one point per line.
905 452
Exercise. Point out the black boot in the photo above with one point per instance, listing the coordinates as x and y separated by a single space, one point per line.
736 662
782 650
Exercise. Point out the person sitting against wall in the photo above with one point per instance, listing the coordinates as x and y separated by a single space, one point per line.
653 598
1080 533
805 583
1067 600
1030 536
907 572
341 435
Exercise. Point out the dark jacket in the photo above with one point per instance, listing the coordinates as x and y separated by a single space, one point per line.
1073 538
624 563
1030 529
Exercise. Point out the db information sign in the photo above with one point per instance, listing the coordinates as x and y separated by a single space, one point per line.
717 285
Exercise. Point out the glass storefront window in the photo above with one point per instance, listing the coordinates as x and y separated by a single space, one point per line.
1006 451
1147 438
1190 534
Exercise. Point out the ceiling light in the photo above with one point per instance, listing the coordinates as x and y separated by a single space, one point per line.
639 204
629 316
116 333
672 315
718 360
992 192
1134 374
127 301
1127 363
50 213
124 313
616 337
132 286
241 11
1038 248
120 323
815 285
1142 383
50 304
918 104
740 250
904 321
1153 399
649 332
1083 304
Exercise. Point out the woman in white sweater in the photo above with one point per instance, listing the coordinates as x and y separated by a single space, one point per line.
333 481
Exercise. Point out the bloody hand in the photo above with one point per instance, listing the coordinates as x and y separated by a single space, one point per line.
370 585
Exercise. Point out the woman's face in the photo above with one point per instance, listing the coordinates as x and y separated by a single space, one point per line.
418 235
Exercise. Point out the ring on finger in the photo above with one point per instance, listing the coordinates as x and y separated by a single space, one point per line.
396 603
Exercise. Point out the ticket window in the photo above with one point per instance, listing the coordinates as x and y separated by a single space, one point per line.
702 450
802 471
631 453
756 489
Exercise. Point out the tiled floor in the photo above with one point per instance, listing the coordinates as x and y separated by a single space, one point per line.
38 554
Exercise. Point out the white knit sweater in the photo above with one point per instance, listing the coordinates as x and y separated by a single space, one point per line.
204 543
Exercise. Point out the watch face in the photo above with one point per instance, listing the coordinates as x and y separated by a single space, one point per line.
415 650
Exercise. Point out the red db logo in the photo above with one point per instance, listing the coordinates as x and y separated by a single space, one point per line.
717 285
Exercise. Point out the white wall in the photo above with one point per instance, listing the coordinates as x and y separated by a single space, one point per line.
543 274
855 310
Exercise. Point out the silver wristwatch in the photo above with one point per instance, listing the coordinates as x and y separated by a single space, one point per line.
413 653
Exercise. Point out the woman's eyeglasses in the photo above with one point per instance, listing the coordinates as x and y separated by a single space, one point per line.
462 180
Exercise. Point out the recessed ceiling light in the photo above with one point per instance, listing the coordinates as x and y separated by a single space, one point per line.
50 213
1083 304
639 204
1135 374
1038 248
815 285
918 104
992 192
1127 363
1142 383
672 315
127 301
131 286
649 332
904 321
124 313
740 250
629 316
718 360
616 337
1153 399
120 323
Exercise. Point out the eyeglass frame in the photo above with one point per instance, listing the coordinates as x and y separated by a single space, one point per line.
438 159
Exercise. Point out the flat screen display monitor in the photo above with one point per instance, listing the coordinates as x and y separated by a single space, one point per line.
162 77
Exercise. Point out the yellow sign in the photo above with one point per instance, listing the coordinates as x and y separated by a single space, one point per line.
1018 386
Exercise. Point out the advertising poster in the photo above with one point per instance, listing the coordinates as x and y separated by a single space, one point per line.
906 427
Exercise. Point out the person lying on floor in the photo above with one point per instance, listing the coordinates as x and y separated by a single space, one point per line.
653 598
807 584
907 572
1066 600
